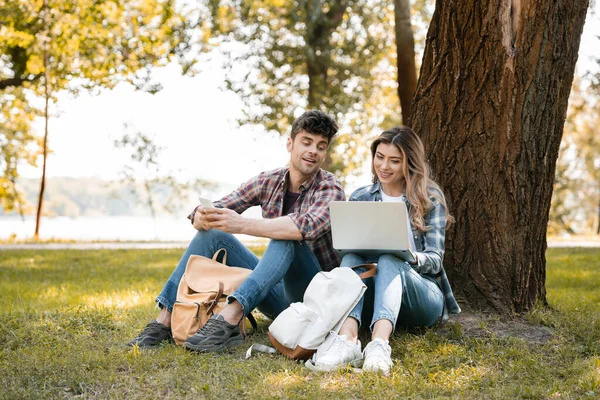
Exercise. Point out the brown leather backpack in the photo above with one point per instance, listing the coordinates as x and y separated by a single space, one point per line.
203 292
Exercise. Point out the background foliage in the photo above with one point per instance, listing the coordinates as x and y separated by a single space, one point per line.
280 57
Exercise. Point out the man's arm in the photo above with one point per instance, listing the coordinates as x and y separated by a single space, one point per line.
295 226
229 221
244 197
315 222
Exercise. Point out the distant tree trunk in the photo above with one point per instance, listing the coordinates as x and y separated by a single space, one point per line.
405 49
490 106
38 217
319 27
17 197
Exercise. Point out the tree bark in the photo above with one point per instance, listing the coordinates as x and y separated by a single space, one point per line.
490 106
405 60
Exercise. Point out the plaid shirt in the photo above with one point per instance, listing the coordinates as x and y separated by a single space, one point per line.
310 212
430 244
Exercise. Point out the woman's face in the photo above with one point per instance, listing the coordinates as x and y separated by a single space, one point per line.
388 164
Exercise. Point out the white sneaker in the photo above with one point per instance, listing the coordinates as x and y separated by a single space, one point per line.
378 357
341 353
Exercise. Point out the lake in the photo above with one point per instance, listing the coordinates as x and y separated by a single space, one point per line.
102 228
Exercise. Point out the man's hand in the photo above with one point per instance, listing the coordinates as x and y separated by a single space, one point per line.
200 222
223 219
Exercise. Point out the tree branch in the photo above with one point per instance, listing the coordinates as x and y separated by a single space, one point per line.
18 81
335 14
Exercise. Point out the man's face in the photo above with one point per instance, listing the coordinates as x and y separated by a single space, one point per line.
307 152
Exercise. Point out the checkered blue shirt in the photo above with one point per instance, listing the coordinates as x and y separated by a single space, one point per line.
430 244
310 212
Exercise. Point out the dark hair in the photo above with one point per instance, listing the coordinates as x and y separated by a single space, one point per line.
315 122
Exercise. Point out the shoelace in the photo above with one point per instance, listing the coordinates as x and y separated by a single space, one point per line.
211 326
377 348
337 346
151 328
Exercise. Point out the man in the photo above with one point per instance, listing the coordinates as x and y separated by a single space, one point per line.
295 205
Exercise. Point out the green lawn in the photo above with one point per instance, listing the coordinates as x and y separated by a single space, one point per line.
67 315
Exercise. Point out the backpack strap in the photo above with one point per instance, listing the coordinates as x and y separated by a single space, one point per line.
371 270
252 322
216 255
213 304
250 318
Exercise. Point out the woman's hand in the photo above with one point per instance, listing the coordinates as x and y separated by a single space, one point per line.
413 254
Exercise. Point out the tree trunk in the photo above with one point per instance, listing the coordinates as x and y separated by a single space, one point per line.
40 206
490 106
405 61
319 27
38 217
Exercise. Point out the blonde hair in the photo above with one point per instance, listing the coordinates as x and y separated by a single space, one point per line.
418 181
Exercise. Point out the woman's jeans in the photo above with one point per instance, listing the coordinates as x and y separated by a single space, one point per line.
279 278
401 295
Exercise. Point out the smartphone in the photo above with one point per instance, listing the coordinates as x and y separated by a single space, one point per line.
206 203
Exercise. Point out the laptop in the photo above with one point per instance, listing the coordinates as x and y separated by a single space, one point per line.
370 229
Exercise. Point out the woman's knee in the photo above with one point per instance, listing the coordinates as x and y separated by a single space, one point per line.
391 262
352 260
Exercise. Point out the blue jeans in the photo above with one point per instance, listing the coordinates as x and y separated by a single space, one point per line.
401 295
279 278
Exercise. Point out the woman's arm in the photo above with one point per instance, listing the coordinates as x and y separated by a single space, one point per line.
429 261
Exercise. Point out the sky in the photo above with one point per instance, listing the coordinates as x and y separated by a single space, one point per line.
192 118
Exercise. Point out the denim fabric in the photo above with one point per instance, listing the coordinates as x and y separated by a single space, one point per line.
429 245
401 295
288 261
278 279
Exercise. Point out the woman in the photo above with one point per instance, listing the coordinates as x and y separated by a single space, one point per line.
416 294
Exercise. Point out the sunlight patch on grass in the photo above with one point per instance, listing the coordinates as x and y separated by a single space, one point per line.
284 379
339 381
460 377
122 300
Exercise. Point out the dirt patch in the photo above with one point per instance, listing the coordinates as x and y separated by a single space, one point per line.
476 325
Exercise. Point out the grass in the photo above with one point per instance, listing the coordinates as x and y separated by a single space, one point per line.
67 315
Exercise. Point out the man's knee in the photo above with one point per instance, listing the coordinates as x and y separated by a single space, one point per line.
212 235
277 245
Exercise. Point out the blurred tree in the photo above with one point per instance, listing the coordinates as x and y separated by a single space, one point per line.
90 44
334 55
51 45
145 172
576 197
490 106
17 144
405 58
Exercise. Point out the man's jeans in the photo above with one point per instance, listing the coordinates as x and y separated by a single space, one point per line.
400 293
278 279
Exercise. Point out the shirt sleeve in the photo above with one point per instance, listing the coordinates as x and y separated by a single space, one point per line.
429 261
244 197
315 221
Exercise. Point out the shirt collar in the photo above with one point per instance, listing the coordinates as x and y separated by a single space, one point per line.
376 187
303 186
